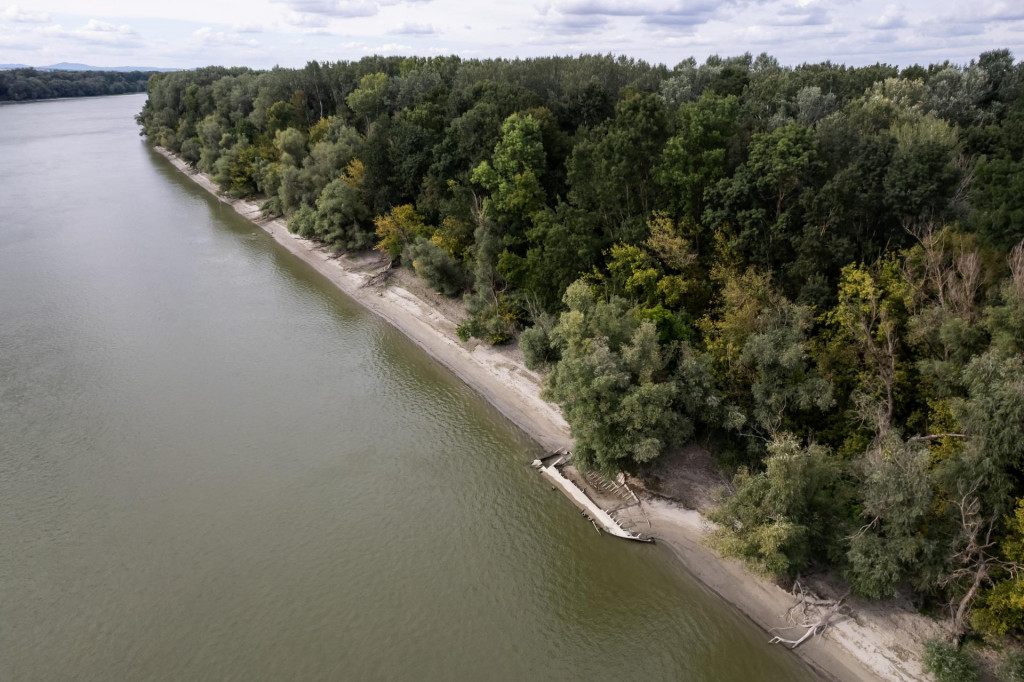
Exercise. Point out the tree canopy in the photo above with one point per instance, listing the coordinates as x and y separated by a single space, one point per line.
815 271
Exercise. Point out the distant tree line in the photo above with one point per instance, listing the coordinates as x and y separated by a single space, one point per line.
25 84
815 271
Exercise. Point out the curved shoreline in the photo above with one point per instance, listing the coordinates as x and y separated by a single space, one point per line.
872 644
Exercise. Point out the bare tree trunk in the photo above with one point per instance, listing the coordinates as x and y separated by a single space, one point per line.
1016 260
959 625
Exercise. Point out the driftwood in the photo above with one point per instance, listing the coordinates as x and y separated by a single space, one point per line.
381 278
813 623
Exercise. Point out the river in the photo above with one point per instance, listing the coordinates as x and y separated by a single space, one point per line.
215 466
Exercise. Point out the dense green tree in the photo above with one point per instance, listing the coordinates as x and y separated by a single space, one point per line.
512 177
761 201
370 99
399 228
695 157
894 545
611 169
620 412
784 383
782 518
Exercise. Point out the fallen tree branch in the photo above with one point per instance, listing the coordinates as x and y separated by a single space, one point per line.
939 436
381 278
814 627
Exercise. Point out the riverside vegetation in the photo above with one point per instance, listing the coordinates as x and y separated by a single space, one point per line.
817 272
26 84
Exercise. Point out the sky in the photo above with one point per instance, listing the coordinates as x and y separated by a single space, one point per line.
264 33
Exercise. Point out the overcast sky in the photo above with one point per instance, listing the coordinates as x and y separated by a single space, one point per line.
262 33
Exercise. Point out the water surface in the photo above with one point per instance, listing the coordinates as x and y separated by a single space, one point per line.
214 466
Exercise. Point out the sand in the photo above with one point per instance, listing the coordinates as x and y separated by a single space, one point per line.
870 641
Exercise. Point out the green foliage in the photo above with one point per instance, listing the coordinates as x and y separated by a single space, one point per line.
513 175
620 415
342 218
436 267
784 382
560 246
780 519
611 382
749 254
695 156
1011 669
870 315
370 99
27 84
536 346
992 412
491 315
1002 607
893 545
303 223
291 143
281 116
763 199
947 663
611 169
399 228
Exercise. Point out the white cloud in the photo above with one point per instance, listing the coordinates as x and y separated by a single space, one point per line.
413 29
18 15
96 33
894 31
307 20
97 26
582 16
893 17
802 15
19 40
1000 11
332 8
944 28
248 28
208 37
571 25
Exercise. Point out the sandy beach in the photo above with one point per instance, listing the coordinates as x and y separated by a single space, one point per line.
868 642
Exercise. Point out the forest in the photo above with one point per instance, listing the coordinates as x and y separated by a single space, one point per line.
815 272
26 84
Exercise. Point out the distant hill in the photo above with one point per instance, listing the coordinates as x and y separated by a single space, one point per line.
68 66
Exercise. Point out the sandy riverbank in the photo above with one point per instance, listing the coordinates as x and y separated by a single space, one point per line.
870 643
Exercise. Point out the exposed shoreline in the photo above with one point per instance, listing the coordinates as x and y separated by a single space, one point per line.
873 643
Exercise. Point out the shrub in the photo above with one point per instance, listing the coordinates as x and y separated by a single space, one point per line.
949 663
191 150
303 223
436 266
536 344
1012 667
779 519
536 347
